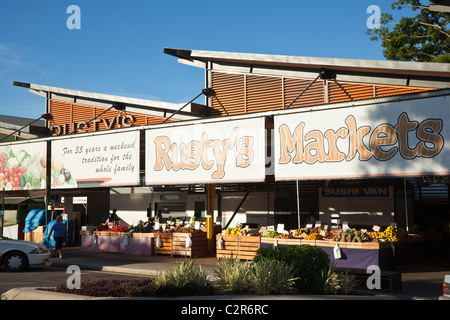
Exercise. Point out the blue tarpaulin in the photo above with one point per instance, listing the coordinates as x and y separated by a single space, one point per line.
35 218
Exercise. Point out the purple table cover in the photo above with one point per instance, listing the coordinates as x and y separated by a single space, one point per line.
115 244
359 258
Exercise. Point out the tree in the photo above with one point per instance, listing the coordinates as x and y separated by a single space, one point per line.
424 37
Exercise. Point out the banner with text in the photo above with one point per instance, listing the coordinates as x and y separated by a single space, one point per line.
387 139
96 161
227 151
22 166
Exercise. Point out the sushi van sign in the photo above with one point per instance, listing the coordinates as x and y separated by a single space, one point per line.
388 139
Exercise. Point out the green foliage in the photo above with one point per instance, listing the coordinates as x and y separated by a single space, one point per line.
264 276
185 277
309 262
424 36
272 277
338 282
233 275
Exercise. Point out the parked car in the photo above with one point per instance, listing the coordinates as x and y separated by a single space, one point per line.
17 255
445 288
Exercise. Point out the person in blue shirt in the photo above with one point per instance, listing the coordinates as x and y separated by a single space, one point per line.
59 230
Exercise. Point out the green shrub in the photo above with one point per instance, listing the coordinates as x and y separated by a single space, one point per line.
310 264
265 276
233 275
185 278
272 277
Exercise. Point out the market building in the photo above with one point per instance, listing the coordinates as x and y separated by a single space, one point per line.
276 139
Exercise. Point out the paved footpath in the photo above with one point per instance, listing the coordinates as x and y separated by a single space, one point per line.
419 282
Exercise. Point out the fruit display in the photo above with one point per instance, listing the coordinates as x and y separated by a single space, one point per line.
300 232
140 228
270 234
120 228
351 235
374 235
284 236
237 231
187 230
314 236
393 234
117 228
102 227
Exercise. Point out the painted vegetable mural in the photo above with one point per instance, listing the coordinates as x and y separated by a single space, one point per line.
21 169
61 177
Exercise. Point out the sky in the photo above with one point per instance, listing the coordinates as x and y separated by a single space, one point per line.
118 48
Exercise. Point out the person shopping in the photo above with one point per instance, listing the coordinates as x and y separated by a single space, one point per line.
113 219
60 232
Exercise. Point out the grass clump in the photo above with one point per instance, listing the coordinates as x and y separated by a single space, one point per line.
233 275
310 264
272 277
186 278
262 277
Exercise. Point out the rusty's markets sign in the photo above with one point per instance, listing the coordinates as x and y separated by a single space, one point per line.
222 151
390 139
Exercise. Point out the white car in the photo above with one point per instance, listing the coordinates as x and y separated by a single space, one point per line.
445 288
17 255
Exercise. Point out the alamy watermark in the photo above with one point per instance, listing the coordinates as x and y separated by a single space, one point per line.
374 280
74 20
74 280
374 20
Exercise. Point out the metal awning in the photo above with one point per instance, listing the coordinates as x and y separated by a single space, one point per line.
404 73
134 105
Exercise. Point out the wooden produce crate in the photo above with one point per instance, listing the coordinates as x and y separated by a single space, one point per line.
248 245
199 244
166 241
354 245
230 246
103 233
292 242
37 235
326 243
241 247
143 235
85 233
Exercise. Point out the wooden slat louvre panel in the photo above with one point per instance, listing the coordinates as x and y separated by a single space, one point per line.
293 87
61 112
263 93
246 93
108 120
347 91
83 113
229 95
382 91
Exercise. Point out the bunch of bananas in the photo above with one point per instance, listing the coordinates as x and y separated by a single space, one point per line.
393 234
299 232
314 236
